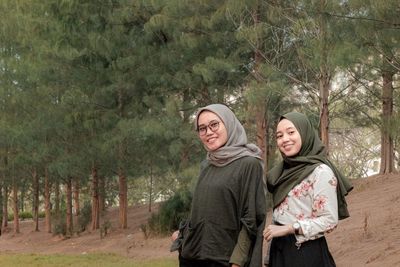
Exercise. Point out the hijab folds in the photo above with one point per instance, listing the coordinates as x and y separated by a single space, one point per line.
292 170
236 147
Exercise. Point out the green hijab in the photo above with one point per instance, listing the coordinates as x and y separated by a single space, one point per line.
292 170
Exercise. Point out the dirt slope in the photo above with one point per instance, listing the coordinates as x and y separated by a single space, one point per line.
370 237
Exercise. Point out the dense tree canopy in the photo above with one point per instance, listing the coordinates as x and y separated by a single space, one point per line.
97 97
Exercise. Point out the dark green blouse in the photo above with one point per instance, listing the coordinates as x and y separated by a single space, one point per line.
226 199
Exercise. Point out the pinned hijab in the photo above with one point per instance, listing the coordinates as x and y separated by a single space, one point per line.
292 170
236 146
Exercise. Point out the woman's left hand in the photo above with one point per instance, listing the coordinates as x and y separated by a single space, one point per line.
272 231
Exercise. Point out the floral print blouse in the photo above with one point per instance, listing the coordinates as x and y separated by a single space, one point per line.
312 203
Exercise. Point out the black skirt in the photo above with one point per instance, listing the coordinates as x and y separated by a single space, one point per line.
313 253
200 263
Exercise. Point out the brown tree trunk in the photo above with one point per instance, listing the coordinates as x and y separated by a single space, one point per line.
35 178
95 200
57 198
387 150
123 187
260 107
15 207
324 75
102 194
5 207
77 207
69 223
123 200
151 187
1 208
324 87
47 207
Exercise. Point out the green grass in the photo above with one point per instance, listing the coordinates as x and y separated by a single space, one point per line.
95 260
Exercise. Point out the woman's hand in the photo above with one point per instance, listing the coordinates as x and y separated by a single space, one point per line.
235 265
174 235
272 231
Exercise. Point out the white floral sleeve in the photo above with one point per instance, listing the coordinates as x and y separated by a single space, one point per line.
313 203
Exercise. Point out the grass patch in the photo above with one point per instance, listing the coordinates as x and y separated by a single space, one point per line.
97 260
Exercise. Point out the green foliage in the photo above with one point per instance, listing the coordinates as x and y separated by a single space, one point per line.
171 213
23 215
59 224
84 218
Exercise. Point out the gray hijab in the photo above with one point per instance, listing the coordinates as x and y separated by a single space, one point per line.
236 147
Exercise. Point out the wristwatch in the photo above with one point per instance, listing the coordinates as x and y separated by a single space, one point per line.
296 227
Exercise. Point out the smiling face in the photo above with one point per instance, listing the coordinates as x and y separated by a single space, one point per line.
212 140
288 138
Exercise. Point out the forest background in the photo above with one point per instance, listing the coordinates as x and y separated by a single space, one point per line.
97 97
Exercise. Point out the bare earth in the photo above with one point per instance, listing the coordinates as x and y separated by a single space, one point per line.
370 237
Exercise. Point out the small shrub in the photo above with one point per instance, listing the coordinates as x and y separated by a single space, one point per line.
171 213
145 230
59 224
84 218
105 226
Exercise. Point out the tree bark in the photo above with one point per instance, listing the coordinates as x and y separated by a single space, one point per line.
95 200
69 223
5 207
77 207
324 77
15 207
324 87
151 187
57 199
387 150
47 203
35 178
1 208
123 200
102 194
260 107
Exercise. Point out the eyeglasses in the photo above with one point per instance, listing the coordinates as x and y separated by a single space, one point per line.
213 126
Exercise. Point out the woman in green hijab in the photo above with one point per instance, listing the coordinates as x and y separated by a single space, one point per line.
228 208
308 197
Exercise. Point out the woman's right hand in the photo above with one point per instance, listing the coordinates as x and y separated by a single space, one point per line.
272 231
174 235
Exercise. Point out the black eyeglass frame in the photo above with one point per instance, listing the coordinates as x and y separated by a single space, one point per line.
213 126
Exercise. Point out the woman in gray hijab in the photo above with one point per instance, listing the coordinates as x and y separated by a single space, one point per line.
228 207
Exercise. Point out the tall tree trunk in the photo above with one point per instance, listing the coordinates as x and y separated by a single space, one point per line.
35 178
324 76
123 200
102 194
77 207
47 203
1 207
95 200
151 187
387 150
123 186
324 87
260 107
69 223
57 199
15 206
5 207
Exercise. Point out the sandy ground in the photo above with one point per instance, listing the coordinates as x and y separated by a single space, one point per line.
370 237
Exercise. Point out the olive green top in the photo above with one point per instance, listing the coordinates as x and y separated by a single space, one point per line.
226 200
